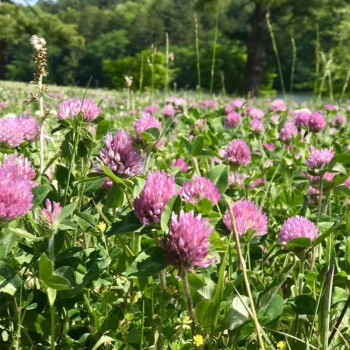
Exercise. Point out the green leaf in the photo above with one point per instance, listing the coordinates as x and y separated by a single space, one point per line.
93 186
272 289
197 145
150 135
238 314
103 340
342 190
40 193
300 242
204 206
324 235
204 313
348 256
115 196
147 263
102 129
272 311
219 177
61 174
173 205
339 179
304 305
128 223
208 154
9 280
8 241
47 276
22 234
115 178
342 158
85 220
167 125
66 211
219 292
51 295
91 177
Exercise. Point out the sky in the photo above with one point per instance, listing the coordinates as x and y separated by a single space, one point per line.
23 2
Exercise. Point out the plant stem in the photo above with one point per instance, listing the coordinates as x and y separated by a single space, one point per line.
317 54
302 265
18 336
142 324
293 65
141 74
42 122
319 201
71 164
188 300
345 85
245 276
166 82
275 50
153 48
212 71
195 162
197 54
335 328
52 321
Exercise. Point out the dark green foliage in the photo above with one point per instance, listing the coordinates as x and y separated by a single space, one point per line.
106 40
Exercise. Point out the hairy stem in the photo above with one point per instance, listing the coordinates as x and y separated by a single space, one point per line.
188 300
71 164
245 276
52 321
42 122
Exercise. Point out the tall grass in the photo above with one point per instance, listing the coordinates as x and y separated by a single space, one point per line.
141 75
166 82
275 50
294 56
212 71
345 85
317 57
197 54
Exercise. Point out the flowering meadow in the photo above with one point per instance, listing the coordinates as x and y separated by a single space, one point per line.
179 221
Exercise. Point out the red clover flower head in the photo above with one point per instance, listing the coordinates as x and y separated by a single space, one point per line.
247 216
317 122
302 118
48 217
257 126
237 152
295 227
278 105
16 186
18 168
288 131
29 126
232 119
158 189
319 158
71 107
255 113
339 120
186 245
146 122
121 156
180 163
199 188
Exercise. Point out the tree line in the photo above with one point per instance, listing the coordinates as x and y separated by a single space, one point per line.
236 46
